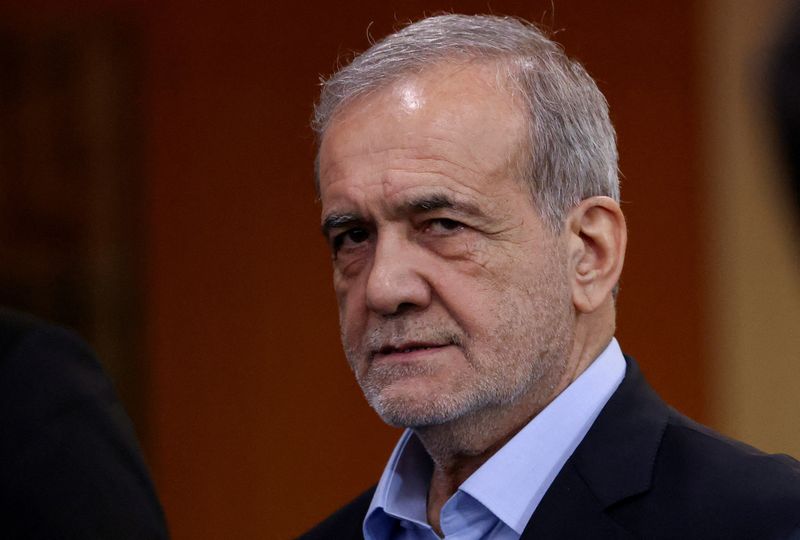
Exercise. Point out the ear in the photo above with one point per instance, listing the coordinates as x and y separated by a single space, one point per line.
596 240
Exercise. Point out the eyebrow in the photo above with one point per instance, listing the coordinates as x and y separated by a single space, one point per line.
436 201
416 205
338 221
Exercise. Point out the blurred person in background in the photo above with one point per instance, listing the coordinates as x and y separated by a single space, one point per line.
785 97
70 464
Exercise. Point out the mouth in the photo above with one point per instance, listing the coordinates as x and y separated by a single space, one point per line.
407 349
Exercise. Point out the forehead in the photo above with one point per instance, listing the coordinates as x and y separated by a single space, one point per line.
453 122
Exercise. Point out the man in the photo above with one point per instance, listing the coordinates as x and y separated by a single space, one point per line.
468 177
70 466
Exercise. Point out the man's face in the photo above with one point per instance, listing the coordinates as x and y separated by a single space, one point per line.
453 295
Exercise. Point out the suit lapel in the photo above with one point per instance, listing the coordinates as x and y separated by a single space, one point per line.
570 510
613 462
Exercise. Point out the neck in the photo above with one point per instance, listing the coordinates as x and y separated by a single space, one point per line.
458 449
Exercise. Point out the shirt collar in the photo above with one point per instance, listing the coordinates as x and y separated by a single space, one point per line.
513 481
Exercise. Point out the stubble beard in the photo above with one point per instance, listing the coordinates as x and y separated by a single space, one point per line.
527 358
375 379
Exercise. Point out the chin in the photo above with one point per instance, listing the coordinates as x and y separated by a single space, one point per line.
419 407
403 417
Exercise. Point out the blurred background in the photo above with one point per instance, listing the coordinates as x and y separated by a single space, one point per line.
156 195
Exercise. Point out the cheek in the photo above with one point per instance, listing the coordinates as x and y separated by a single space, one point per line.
345 286
477 291
340 288
467 252
468 295
350 299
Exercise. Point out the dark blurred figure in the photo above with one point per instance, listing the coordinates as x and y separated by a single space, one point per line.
785 96
70 465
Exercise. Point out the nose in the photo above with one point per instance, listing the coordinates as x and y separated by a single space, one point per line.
396 279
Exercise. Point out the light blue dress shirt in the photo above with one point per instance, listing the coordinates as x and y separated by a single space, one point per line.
496 501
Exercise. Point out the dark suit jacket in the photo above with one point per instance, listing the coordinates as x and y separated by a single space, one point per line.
646 471
70 466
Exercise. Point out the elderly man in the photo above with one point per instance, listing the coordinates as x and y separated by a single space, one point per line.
468 177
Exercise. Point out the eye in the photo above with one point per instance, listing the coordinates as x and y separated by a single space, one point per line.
444 225
356 235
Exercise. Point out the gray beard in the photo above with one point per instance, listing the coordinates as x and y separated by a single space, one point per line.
535 365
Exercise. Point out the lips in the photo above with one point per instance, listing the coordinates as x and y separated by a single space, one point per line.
407 348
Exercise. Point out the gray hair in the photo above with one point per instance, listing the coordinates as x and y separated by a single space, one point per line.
572 152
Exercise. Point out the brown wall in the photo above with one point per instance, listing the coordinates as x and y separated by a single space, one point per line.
257 428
